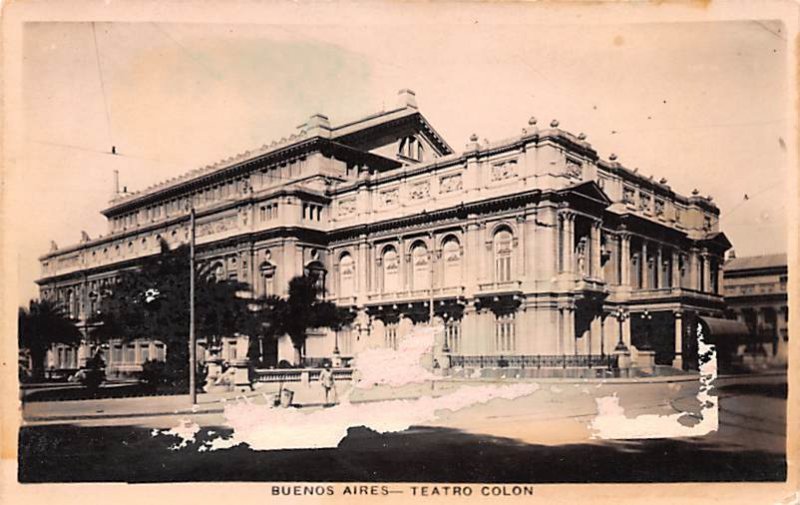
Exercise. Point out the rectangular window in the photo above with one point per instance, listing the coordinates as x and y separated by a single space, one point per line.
453 336
505 333
144 352
130 353
116 353
161 352
391 336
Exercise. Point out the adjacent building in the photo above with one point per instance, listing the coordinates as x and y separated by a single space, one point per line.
530 247
755 293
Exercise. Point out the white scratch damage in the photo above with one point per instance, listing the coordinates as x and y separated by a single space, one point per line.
611 422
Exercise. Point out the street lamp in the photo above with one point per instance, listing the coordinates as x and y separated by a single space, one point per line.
248 190
192 336
646 316
621 315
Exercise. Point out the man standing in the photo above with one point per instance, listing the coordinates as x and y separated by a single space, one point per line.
326 380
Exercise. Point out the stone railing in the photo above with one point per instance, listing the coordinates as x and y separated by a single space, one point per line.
273 375
500 287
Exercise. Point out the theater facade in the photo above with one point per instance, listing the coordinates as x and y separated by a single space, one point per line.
530 247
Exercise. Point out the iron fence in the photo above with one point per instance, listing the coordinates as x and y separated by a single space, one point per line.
536 361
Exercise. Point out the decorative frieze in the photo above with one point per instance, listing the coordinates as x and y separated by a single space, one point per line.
644 202
451 183
217 226
504 170
389 197
573 168
347 207
628 195
420 191
659 209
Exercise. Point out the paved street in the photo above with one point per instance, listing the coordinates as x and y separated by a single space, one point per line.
539 438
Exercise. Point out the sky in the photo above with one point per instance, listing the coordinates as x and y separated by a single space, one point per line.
702 104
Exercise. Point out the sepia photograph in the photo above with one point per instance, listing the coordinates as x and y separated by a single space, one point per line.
406 250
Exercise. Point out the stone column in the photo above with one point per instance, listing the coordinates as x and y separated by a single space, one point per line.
379 288
568 241
595 332
626 331
404 260
603 344
594 231
625 259
644 267
677 362
694 271
569 331
471 260
676 269
560 242
519 271
487 270
706 273
362 269
659 264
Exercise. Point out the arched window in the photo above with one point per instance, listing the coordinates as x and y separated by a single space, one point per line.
218 272
502 255
267 270
391 270
421 267
316 270
72 311
451 254
347 275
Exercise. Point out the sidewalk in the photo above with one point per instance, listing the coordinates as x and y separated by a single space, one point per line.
305 396
143 406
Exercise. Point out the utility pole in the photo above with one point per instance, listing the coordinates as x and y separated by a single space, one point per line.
192 338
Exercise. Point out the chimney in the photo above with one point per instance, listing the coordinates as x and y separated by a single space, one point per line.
115 189
407 98
318 125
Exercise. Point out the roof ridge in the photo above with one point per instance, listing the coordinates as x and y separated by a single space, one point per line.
213 167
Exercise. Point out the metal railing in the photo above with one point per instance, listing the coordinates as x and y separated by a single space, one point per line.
536 361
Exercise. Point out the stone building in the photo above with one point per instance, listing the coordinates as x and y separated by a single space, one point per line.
755 293
530 246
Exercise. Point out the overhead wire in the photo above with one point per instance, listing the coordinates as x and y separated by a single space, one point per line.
102 84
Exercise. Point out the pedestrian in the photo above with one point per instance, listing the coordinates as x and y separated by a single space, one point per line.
326 380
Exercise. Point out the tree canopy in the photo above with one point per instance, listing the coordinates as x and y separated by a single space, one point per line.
152 301
41 325
304 309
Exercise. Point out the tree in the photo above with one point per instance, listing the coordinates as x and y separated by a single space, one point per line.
301 311
41 325
152 301
265 330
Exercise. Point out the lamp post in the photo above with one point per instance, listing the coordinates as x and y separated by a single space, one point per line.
646 316
621 315
192 336
433 273
247 189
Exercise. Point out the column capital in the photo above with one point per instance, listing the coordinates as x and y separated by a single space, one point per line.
677 313
566 214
